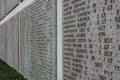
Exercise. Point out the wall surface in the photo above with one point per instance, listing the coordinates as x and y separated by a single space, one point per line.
91 43
2 9
38 40
16 10
61 39
30 38
11 41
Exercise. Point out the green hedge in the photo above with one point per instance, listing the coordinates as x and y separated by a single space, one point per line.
8 73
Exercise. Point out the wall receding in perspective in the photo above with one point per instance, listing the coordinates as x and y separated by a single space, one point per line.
10 4
61 39
11 41
2 9
2 42
29 43
23 48
38 40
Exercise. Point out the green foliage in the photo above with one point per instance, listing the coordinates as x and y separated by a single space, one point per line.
8 73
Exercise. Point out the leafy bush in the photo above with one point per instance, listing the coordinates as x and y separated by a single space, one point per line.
8 73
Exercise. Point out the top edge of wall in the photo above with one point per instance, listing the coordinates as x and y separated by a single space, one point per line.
16 9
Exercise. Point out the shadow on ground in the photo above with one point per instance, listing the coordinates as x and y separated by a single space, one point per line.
8 73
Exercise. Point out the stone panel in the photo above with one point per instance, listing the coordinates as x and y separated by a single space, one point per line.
38 40
23 49
91 42
2 42
10 4
11 41
2 9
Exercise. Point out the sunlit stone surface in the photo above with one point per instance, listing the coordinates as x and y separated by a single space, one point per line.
2 9
23 49
2 41
10 4
91 39
11 41
38 40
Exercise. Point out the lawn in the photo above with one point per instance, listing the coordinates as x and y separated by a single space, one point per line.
8 73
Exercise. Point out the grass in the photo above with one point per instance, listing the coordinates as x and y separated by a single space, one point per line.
8 73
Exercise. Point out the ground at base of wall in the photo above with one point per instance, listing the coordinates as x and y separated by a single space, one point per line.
8 73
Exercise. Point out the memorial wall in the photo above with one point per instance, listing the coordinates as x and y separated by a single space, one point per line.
11 41
7 6
30 41
90 40
2 42
23 50
38 40
2 8
10 4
